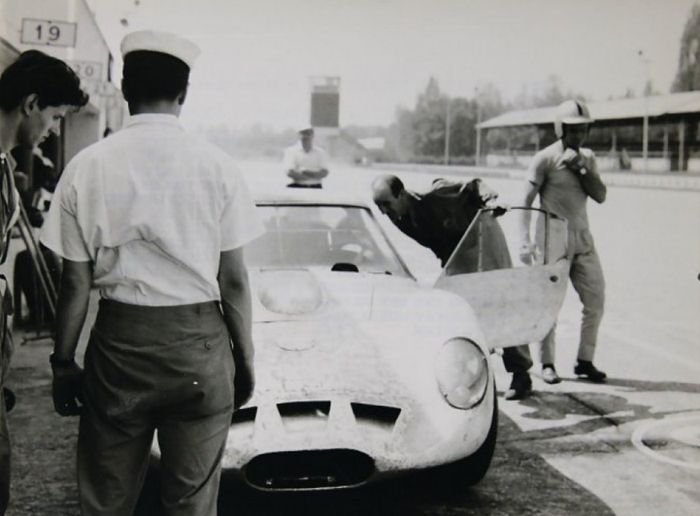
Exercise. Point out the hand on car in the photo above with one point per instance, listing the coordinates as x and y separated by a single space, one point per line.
486 194
67 389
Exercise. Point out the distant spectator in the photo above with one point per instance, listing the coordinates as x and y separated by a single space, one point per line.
305 163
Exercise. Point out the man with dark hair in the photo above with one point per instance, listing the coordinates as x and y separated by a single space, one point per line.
157 220
36 92
437 220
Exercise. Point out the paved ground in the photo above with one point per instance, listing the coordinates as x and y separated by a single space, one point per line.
630 446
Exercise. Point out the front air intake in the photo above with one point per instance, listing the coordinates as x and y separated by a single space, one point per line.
309 470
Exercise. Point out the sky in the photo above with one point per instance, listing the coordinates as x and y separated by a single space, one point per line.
258 55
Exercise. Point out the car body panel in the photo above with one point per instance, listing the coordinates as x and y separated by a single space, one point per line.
343 354
515 303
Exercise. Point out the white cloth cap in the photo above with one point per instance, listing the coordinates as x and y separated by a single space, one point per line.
164 42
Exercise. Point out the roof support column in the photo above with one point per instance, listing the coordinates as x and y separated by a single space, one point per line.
645 139
681 146
613 143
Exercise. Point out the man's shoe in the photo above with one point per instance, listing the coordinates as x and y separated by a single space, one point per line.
549 374
586 369
520 387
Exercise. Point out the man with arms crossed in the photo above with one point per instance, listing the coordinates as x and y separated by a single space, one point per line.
36 92
305 163
156 220
565 175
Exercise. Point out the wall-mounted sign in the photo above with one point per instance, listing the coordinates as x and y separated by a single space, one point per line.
48 32
87 70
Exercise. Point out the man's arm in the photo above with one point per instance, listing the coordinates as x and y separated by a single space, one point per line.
73 298
295 174
237 309
535 177
315 174
593 185
587 169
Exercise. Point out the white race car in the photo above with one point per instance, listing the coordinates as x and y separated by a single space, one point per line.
363 373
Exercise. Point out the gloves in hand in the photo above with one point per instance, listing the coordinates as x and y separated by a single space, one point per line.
243 385
529 253
67 389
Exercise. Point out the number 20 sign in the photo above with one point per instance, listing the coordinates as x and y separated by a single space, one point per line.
48 32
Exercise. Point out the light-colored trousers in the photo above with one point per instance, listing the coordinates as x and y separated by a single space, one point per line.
586 276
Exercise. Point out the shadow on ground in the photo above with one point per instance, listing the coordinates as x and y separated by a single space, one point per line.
517 483
603 409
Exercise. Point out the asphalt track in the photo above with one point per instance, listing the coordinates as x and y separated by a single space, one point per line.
630 446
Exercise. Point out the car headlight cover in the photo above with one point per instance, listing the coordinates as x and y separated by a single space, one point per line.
461 370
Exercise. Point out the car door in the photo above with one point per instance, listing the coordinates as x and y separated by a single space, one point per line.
516 300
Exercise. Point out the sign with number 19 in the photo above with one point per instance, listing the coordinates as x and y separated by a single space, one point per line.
48 32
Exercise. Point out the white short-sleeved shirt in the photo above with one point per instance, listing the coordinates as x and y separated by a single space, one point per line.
560 189
152 208
296 158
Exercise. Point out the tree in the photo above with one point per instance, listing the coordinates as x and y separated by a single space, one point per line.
429 122
688 74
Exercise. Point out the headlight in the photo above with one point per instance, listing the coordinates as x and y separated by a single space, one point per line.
462 373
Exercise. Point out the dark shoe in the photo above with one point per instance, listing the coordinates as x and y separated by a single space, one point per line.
520 387
549 374
587 370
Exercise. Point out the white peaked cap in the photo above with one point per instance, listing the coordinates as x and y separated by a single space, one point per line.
164 42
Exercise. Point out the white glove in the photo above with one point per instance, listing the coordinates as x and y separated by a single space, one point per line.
529 252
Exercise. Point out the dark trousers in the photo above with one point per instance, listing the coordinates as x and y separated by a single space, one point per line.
155 369
517 358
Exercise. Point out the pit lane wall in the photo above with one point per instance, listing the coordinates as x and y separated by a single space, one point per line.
682 181
67 29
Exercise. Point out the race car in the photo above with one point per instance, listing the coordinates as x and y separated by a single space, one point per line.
362 372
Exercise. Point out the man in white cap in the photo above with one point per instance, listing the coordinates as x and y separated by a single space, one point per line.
305 163
156 220
565 175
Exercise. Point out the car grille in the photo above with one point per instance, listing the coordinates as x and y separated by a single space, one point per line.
313 415
309 469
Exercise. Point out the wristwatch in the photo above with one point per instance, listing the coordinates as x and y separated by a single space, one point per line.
58 361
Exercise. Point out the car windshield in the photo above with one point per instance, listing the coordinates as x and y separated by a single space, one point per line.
342 238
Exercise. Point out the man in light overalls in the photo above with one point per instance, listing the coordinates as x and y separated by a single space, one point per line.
565 175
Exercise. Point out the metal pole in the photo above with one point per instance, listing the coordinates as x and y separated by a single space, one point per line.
681 145
447 133
645 135
477 158
645 124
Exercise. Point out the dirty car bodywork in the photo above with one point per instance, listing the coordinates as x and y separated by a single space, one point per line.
362 372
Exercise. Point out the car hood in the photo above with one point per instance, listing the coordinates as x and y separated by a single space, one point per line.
320 333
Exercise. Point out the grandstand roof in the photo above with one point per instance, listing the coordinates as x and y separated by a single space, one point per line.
653 106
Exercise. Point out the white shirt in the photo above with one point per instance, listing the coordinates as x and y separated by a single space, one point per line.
152 208
296 158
